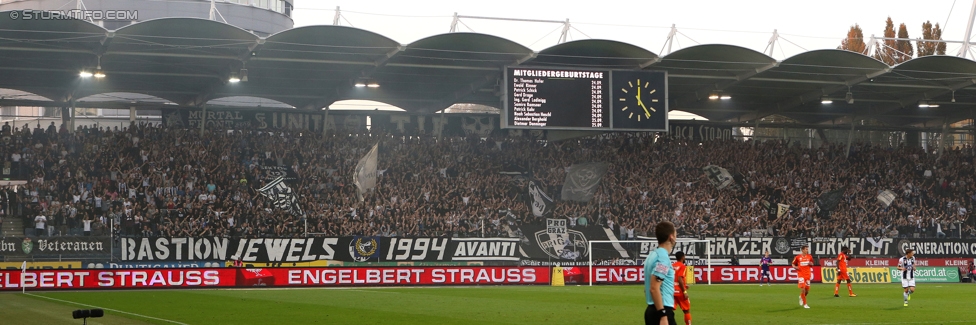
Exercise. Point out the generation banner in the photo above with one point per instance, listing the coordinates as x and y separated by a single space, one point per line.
284 251
61 246
929 275
946 248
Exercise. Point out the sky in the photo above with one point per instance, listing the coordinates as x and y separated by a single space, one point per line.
802 25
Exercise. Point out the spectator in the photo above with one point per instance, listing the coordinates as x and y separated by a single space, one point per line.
40 222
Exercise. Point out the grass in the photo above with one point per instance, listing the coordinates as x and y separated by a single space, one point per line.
717 304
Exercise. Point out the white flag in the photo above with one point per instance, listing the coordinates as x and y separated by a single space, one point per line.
781 209
365 177
886 197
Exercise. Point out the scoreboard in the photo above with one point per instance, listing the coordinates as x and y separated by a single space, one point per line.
583 99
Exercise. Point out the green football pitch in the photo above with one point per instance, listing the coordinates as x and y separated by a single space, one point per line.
716 304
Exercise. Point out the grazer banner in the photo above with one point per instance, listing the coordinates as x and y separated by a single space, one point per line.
62 246
347 249
946 248
118 279
405 276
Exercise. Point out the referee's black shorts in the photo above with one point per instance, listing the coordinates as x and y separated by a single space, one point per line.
653 317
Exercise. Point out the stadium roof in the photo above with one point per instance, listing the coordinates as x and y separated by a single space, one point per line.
188 61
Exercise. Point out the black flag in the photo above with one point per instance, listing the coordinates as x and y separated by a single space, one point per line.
541 204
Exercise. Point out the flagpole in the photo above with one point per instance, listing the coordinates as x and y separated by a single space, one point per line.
23 270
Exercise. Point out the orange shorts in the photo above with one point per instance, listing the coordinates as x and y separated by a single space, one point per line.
843 276
803 283
681 301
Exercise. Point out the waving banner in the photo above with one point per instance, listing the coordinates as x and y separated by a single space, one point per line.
365 178
582 180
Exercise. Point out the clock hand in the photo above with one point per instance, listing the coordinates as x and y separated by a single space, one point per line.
641 104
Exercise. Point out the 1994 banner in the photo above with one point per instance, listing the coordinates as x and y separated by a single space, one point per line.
348 249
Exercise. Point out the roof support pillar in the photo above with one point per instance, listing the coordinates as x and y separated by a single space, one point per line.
203 119
325 122
850 139
945 133
755 131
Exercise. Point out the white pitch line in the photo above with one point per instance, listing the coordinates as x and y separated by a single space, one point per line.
930 322
115 310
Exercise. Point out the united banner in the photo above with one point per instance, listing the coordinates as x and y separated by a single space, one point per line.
261 120
62 246
582 180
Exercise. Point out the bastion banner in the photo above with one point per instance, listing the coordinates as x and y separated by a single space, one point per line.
292 250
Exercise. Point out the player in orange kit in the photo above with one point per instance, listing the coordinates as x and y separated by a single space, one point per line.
803 264
842 272
680 287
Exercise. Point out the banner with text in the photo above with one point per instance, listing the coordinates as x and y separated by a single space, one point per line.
61 246
858 274
937 247
293 250
117 279
929 275
401 276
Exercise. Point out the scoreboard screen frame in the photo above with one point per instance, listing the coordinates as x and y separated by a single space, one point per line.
611 105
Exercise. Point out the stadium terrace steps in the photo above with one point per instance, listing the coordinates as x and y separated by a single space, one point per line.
13 227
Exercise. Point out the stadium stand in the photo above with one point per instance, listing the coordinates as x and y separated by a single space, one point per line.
153 181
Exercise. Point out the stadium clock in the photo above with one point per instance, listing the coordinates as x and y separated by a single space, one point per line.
639 100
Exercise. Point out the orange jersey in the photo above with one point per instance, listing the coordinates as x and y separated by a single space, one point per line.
842 262
804 264
680 271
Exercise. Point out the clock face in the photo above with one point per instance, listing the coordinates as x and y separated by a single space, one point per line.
639 100
635 107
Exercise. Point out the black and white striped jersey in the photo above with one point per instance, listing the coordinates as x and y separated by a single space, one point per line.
909 267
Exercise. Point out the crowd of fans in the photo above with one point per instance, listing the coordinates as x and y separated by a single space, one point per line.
149 181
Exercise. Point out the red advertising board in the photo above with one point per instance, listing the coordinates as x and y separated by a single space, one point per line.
407 276
893 262
720 274
118 279
749 274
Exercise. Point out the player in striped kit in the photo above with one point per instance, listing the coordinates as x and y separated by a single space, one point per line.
906 265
